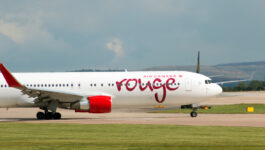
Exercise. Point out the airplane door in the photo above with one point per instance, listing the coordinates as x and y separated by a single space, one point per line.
207 90
188 84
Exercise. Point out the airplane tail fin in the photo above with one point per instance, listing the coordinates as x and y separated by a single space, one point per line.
198 63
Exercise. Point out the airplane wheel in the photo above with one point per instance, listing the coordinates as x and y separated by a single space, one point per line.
57 116
40 115
48 116
193 114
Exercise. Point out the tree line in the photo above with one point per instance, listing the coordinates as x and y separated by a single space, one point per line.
254 85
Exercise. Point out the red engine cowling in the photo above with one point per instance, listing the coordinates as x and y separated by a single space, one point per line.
94 104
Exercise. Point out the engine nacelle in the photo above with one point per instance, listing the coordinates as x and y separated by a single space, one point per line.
94 104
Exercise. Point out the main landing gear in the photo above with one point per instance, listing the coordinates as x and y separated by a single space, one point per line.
48 115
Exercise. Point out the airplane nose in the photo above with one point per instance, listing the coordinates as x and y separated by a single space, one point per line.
219 89
215 90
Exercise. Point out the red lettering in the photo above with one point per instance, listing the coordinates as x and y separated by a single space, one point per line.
157 84
158 87
127 84
119 84
168 83
143 88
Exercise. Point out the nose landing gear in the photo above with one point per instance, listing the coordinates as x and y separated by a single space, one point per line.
193 114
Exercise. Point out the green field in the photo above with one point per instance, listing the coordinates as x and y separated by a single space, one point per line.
222 109
75 136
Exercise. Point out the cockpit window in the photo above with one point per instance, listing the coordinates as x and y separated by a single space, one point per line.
208 81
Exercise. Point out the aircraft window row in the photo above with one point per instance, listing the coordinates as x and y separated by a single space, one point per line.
208 81
49 85
92 85
44 85
2 86
143 84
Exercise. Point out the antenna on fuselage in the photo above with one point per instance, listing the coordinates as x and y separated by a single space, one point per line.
198 63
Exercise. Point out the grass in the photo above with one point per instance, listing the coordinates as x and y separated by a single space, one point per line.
133 137
223 109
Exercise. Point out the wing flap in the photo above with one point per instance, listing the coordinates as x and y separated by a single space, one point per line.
47 95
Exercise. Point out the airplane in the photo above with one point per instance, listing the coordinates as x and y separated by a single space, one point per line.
100 92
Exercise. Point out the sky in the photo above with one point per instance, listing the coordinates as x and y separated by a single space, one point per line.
64 35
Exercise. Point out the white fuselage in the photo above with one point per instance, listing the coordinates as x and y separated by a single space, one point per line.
127 89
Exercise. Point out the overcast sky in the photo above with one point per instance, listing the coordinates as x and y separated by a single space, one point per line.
60 35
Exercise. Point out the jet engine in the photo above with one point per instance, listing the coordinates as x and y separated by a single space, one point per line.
93 104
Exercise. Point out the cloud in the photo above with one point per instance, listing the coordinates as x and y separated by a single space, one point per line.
28 31
13 31
115 45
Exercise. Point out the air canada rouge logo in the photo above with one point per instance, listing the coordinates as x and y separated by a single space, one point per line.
131 84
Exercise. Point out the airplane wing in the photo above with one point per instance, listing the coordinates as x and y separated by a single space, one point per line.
235 81
232 81
45 95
